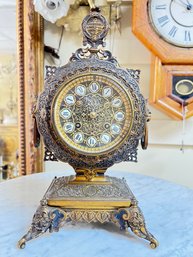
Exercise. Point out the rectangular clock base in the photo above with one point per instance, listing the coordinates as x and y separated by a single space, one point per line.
66 201
110 193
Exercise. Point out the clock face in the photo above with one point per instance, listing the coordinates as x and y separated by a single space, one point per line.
173 20
92 114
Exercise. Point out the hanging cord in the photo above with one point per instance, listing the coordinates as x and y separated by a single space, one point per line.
116 24
113 37
53 51
61 36
112 28
59 45
110 24
184 110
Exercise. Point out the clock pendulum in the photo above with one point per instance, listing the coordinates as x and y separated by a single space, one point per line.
91 114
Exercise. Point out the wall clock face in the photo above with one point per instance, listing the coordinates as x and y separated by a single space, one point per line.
92 114
173 20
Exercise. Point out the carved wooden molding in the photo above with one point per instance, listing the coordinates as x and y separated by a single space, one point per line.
161 89
30 81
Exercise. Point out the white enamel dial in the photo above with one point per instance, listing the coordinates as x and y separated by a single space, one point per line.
94 87
105 138
78 137
68 127
119 116
70 99
173 20
65 113
91 141
107 92
115 128
116 102
80 90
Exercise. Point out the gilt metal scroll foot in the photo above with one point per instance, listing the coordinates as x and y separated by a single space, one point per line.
133 218
45 219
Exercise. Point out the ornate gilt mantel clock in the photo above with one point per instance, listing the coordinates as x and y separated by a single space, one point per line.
91 114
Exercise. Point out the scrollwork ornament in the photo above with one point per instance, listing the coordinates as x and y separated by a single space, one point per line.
51 219
50 71
49 156
133 218
90 173
95 29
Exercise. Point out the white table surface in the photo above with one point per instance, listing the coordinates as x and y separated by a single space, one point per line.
168 211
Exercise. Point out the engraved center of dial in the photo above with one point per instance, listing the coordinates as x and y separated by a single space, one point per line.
94 114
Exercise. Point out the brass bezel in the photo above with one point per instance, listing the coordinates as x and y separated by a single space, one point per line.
92 151
182 81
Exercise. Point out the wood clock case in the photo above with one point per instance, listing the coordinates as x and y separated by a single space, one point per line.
162 95
169 61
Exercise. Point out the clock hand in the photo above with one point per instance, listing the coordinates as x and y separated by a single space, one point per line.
180 1
183 2
189 6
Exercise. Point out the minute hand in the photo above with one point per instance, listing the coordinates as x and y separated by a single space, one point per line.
181 3
188 3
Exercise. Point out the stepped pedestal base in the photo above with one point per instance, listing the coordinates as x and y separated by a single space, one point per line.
72 199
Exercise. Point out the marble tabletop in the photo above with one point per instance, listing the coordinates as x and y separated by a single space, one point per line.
167 207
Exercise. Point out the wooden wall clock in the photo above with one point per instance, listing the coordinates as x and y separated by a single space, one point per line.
172 88
91 115
166 28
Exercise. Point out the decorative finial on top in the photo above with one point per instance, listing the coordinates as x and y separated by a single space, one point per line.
95 28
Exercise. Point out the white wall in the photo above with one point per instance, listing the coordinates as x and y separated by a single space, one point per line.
163 158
